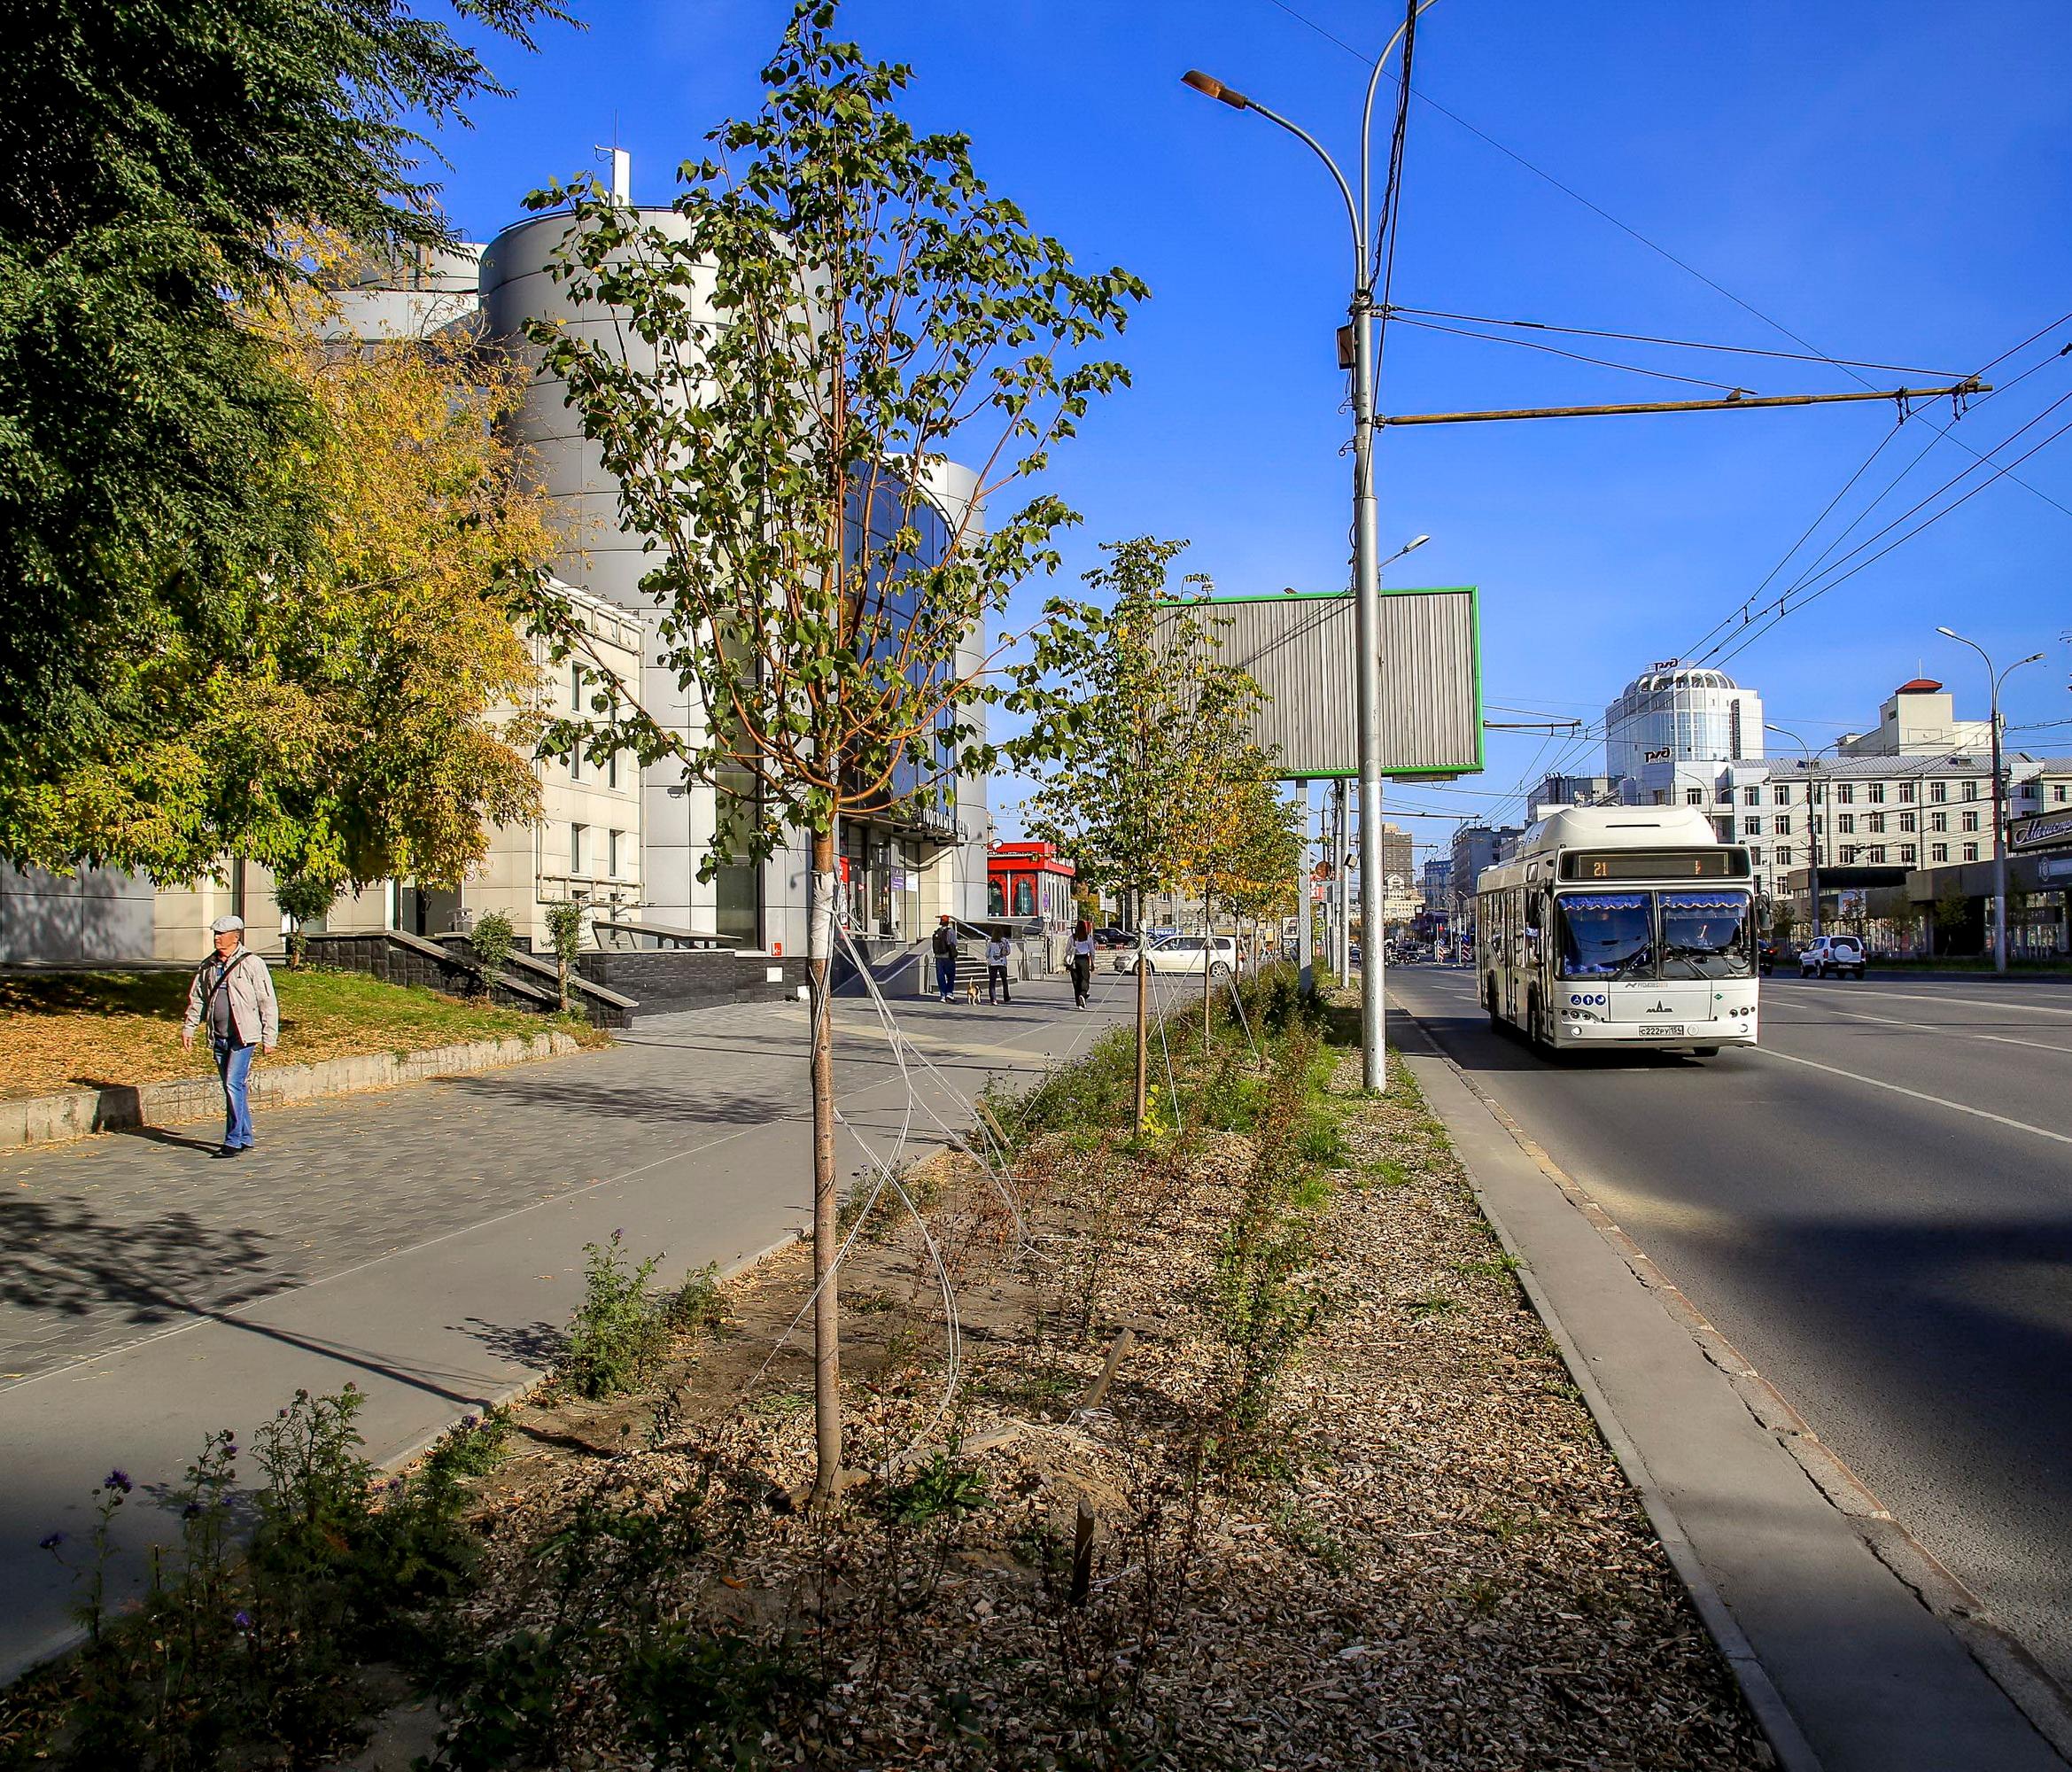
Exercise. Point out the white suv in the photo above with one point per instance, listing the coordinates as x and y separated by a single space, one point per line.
1826 956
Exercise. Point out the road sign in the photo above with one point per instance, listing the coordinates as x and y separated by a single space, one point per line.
1302 652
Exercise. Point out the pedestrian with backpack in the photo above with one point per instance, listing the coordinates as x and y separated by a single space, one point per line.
944 943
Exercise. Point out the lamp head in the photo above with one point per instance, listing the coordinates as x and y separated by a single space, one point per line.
1210 87
1949 634
1415 541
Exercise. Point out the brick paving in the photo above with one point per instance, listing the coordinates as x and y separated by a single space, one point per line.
109 1241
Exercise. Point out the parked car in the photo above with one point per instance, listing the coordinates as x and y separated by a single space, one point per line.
1183 954
1832 956
1110 936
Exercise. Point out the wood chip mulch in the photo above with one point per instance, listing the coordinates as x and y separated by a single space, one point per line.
1431 1560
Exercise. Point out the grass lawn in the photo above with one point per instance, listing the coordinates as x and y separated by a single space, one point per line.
70 1030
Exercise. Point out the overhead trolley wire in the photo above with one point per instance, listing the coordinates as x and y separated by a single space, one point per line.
1404 318
1688 344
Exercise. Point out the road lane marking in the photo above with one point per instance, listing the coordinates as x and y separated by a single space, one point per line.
1919 1095
1938 1028
1973 1002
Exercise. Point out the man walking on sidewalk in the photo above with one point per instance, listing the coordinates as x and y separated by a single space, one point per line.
233 993
945 949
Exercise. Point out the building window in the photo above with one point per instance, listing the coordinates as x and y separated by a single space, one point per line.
1845 822
1877 821
1906 793
1938 851
575 687
1938 820
1849 855
1877 793
1723 828
611 770
2060 792
1845 793
576 764
1782 825
1971 852
1752 796
614 854
1784 855
1907 855
1969 821
1755 856
1753 827
1878 853
1906 821
1783 792
1971 790
578 840
1694 797
1938 790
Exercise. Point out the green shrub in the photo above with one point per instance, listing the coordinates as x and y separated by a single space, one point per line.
941 1488
619 1329
492 940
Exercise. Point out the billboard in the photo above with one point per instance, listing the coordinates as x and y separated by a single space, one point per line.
1302 649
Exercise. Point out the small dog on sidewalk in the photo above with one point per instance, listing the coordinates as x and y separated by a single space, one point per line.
971 991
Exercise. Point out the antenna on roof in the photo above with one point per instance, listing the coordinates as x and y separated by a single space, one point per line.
622 168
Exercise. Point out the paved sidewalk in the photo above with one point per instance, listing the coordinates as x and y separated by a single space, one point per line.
426 1245
1846 1667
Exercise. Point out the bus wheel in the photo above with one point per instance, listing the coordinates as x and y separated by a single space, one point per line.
1704 1052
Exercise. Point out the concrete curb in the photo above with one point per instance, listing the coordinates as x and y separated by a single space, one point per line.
80 1113
1772 1715
517 1393
2026 1685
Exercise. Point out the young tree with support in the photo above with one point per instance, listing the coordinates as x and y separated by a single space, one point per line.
1145 716
839 307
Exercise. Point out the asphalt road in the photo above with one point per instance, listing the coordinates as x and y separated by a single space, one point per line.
1876 1206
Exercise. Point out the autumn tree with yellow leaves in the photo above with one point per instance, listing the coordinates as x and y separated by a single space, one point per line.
365 708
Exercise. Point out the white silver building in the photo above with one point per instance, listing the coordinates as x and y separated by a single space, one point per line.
1678 713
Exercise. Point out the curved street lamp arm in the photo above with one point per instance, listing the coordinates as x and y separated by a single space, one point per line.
1344 190
1365 213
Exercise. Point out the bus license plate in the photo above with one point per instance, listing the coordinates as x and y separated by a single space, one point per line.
1669 1028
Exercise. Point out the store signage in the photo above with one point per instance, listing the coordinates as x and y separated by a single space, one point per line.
2040 831
1661 755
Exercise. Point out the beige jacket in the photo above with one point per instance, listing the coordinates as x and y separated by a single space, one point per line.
255 1011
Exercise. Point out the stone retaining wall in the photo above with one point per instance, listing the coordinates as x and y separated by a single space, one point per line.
75 1113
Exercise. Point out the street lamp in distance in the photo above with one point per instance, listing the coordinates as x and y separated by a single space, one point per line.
1999 823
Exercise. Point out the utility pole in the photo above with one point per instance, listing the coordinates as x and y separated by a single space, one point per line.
1305 932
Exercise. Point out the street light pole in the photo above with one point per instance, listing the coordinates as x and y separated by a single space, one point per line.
1999 788
1366 559
1812 819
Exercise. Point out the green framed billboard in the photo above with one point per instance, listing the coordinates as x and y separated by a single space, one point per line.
1301 649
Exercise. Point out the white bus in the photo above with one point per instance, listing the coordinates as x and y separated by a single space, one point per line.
1620 926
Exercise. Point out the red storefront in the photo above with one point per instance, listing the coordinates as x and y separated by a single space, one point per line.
1030 880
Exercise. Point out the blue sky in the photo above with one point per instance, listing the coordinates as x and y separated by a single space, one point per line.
1887 183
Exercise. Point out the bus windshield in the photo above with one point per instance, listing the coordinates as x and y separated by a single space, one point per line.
1606 935
1704 935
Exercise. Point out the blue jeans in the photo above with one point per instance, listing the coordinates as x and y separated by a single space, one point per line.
234 1062
945 976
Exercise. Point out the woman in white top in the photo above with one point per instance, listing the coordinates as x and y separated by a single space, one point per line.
1081 963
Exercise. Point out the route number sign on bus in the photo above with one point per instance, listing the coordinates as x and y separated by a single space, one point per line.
1691 864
